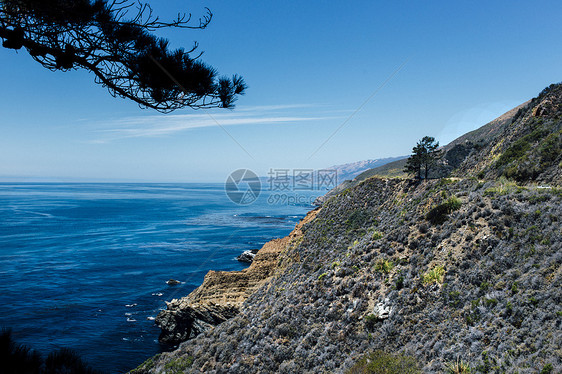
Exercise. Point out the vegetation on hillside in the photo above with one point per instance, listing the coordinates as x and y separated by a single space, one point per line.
461 275
479 287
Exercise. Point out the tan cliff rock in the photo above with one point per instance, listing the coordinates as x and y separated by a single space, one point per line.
222 293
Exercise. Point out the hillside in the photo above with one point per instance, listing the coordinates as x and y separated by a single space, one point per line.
455 151
472 152
467 268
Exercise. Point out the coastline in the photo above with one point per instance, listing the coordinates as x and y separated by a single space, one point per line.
222 293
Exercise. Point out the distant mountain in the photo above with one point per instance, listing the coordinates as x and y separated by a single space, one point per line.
353 169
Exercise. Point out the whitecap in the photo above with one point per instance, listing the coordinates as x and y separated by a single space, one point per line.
157 294
150 318
131 319
128 314
131 305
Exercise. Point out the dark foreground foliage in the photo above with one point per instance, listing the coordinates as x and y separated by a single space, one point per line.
20 359
115 41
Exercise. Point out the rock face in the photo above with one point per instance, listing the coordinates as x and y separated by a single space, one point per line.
182 320
382 310
222 293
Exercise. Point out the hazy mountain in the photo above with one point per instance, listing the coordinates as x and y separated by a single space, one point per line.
353 169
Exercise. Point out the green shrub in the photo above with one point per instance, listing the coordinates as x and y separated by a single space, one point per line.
514 287
547 369
178 366
370 321
384 266
357 220
435 275
380 362
376 235
458 367
439 214
399 283
515 152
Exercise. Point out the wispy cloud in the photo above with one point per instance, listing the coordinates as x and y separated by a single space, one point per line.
164 125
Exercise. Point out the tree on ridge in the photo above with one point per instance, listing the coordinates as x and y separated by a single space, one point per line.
424 157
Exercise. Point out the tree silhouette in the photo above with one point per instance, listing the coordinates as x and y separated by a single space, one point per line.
114 40
20 359
424 157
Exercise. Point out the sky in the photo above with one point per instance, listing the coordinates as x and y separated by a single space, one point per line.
328 83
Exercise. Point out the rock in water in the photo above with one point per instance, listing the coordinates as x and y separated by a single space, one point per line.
247 256
172 282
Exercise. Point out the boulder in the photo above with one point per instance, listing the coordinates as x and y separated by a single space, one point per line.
247 256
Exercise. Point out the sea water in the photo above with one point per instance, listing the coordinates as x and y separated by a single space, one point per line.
84 266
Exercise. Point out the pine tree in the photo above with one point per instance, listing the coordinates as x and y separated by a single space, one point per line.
115 41
424 157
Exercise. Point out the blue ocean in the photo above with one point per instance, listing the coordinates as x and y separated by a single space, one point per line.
84 266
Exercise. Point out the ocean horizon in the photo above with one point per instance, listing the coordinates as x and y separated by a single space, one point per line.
84 265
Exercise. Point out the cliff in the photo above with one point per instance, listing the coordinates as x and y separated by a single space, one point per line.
222 293
465 268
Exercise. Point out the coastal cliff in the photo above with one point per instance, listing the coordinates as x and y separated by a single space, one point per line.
464 269
222 292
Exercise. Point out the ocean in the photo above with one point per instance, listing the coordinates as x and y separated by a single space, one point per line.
84 266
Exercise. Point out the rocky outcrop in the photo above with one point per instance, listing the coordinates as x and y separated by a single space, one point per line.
222 292
183 320
247 256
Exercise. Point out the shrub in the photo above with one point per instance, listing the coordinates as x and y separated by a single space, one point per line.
384 266
370 321
458 367
435 275
380 362
179 366
547 369
399 283
438 214
18 358
376 235
357 220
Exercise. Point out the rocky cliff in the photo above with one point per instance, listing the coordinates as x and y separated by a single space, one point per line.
465 268
222 292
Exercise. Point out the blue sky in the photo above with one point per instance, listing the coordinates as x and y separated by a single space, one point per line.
311 67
